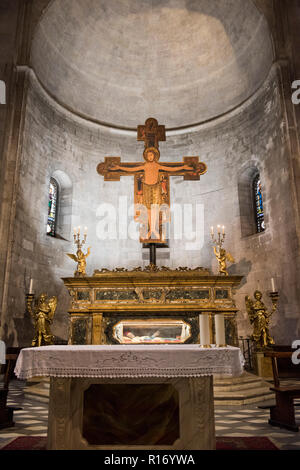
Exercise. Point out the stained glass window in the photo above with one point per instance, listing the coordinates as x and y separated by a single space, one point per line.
259 208
52 207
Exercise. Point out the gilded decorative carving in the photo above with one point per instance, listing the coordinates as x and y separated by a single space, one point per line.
222 257
220 253
80 257
150 268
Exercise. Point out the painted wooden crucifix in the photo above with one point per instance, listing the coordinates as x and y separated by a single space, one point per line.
151 181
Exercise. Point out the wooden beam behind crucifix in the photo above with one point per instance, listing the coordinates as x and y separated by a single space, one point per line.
151 183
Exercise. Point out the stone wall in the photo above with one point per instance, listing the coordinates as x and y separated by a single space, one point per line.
8 21
55 142
259 135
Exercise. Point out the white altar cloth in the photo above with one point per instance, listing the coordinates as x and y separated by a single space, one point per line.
113 361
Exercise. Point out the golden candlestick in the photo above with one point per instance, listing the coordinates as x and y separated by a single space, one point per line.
220 253
42 312
221 236
79 242
80 257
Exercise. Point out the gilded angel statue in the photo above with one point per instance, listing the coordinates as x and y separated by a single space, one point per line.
223 256
80 259
260 319
42 313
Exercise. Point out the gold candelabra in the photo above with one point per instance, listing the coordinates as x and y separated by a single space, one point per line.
80 257
42 312
221 236
220 253
78 242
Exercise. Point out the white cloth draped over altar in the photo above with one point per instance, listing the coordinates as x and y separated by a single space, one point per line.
112 361
88 381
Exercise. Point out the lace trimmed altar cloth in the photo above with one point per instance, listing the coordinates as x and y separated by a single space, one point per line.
113 361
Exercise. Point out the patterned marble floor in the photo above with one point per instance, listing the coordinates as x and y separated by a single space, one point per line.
246 420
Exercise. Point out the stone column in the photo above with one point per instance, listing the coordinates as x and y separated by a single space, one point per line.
24 16
205 332
220 329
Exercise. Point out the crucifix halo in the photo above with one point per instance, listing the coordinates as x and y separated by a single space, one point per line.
153 150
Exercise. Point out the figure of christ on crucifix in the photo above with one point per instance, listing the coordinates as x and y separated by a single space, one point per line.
151 188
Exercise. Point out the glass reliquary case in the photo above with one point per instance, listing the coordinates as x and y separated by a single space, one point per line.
154 331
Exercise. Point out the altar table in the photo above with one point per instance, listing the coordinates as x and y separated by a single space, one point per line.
113 397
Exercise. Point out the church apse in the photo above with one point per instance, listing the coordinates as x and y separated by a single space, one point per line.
69 139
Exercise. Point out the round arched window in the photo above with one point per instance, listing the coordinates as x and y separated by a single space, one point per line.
258 204
52 207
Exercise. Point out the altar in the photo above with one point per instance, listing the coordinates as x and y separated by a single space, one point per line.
151 305
149 397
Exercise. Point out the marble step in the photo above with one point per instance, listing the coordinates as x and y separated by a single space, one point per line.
246 377
237 400
246 389
231 387
244 394
39 390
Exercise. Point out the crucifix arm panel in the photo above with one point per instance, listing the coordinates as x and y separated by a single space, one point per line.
191 168
112 168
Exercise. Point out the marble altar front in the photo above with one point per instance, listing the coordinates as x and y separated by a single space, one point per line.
131 397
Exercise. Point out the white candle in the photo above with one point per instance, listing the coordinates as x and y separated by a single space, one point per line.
220 329
211 230
79 230
219 228
31 286
204 329
273 285
85 230
223 228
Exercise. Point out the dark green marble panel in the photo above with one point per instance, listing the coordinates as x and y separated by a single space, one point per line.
222 294
231 334
152 294
83 295
79 326
188 294
112 294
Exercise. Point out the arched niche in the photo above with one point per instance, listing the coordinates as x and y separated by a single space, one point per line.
247 204
64 204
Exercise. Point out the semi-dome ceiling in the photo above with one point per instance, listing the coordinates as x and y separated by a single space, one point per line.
181 61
